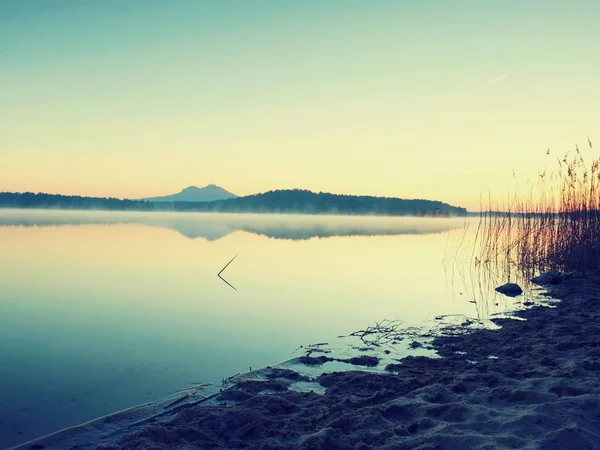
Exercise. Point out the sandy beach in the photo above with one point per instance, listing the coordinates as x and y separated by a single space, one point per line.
532 384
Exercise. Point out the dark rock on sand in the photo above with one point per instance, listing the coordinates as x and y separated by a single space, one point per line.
510 289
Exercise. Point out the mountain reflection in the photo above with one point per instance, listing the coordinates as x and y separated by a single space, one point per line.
216 226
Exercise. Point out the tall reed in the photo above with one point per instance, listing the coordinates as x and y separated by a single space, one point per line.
556 225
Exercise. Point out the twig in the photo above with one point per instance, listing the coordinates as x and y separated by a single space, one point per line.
219 274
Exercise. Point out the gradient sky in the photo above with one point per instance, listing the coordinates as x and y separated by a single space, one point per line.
430 99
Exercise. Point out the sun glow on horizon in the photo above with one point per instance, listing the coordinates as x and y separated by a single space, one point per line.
414 100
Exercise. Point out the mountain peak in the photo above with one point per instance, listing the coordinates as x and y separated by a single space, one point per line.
191 188
209 193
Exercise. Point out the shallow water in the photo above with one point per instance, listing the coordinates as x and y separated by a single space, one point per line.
101 311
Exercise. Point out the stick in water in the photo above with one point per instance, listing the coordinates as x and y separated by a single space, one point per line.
219 274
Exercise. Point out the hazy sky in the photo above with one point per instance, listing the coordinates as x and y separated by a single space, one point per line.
432 99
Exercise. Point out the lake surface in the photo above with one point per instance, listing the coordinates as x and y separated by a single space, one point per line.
100 311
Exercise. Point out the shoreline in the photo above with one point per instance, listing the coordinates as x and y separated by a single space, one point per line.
534 383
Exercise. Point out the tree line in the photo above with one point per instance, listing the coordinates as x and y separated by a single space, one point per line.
279 201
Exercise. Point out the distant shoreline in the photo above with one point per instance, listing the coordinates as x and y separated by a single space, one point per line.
273 202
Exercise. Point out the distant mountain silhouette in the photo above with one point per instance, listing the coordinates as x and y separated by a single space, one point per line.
208 193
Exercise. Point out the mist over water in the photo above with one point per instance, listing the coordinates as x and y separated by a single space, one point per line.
212 226
102 311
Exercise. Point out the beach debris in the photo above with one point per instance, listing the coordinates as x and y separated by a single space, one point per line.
510 289
316 348
547 278
384 332
219 274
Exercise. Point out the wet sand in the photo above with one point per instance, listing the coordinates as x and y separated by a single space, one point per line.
533 384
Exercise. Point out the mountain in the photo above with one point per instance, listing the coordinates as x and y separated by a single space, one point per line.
208 193
307 202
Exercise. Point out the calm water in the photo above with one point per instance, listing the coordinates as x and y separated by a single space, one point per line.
102 311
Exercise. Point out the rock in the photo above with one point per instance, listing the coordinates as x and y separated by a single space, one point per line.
551 277
510 289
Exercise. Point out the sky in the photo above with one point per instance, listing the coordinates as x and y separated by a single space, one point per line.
430 99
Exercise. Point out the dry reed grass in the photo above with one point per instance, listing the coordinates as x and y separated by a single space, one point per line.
556 225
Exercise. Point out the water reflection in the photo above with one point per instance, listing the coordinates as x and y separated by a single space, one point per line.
471 278
216 226
124 311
